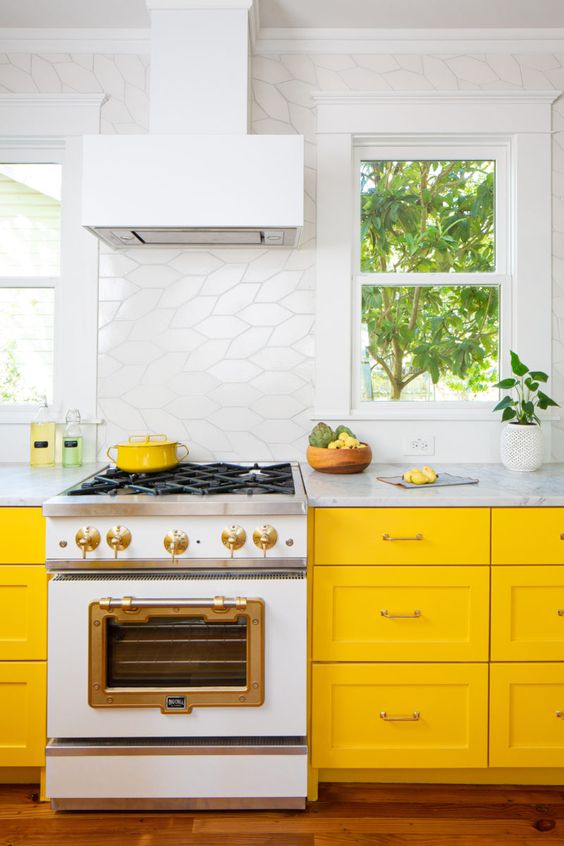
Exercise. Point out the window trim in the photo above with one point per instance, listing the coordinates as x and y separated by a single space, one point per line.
48 127
451 149
521 118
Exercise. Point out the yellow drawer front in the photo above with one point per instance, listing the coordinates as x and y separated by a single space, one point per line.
528 536
405 614
399 715
22 536
22 713
23 613
527 614
402 536
527 715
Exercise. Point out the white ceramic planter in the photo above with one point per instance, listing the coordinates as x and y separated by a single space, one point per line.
521 447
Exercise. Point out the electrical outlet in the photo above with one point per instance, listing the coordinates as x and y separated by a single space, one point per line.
420 445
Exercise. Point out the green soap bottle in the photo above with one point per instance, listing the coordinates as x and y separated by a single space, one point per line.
42 438
72 440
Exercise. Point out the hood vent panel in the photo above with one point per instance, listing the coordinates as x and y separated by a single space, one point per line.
121 238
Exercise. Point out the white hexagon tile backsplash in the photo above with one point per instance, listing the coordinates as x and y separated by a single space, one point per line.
216 347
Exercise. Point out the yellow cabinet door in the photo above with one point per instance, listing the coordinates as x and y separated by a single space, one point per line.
528 536
22 536
527 715
400 614
402 536
23 613
527 613
22 713
399 715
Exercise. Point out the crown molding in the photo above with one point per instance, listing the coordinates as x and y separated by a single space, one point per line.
506 96
269 40
49 115
274 40
95 40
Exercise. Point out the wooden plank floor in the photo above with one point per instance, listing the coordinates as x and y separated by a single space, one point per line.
346 815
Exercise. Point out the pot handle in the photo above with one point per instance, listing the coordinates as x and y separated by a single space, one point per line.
144 439
108 451
183 447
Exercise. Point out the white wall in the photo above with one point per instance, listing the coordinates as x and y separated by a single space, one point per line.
217 347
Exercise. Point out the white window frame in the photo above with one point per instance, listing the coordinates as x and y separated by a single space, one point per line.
520 122
450 150
49 128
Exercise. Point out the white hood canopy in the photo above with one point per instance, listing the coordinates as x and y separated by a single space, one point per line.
197 178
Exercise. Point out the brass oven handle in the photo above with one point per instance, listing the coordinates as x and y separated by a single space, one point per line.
417 537
414 616
130 603
416 715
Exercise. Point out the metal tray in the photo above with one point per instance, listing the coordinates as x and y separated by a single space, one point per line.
443 480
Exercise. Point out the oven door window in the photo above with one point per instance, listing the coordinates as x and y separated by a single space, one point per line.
174 657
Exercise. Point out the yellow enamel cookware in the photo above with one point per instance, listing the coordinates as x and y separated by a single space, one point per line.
147 454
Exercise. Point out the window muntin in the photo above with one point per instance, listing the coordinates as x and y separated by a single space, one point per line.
30 248
430 230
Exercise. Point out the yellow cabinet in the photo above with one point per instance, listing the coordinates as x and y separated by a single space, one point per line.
402 536
528 536
527 715
401 614
399 715
22 713
22 536
23 613
527 614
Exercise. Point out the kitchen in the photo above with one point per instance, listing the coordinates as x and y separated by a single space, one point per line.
215 345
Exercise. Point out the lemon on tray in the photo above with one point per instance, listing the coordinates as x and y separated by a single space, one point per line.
424 476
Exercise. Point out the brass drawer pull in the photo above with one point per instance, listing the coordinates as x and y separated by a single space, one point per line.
406 719
385 613
417 537
560 612
560 714
561 535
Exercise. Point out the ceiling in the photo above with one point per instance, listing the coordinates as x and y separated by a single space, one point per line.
380 14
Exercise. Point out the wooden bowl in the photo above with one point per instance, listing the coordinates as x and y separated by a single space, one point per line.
339 460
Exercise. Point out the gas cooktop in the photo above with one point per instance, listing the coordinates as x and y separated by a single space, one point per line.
194 479
190 488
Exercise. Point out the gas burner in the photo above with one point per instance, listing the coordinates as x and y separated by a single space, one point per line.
193 479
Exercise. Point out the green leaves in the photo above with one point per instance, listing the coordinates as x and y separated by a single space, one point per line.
517 365
523 407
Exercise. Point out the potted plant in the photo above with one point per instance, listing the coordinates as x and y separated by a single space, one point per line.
521 439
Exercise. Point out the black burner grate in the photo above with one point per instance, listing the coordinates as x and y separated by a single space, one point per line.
194 479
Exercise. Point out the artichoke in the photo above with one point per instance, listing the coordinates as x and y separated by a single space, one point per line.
321 435
340 429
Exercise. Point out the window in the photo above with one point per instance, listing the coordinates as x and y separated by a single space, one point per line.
428 295
511 128
30 224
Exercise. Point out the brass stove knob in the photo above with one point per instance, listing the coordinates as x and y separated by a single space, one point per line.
233 537
118 538
87 539
265 537
176 542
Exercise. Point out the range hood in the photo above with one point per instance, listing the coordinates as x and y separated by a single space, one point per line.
197 179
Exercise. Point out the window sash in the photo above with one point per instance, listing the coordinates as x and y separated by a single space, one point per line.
414 150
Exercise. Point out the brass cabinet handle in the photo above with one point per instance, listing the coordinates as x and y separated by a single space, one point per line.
560 612
385 613
415 716
559 714
417 537
561 535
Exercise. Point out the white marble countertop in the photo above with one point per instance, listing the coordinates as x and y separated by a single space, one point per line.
496 487
23 485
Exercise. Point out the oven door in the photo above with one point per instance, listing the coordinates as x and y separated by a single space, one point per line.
177 654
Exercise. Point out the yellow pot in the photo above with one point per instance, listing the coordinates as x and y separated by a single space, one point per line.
147 454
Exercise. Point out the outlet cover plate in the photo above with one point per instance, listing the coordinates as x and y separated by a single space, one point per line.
419 445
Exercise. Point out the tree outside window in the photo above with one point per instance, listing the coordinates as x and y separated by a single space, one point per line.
425 341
